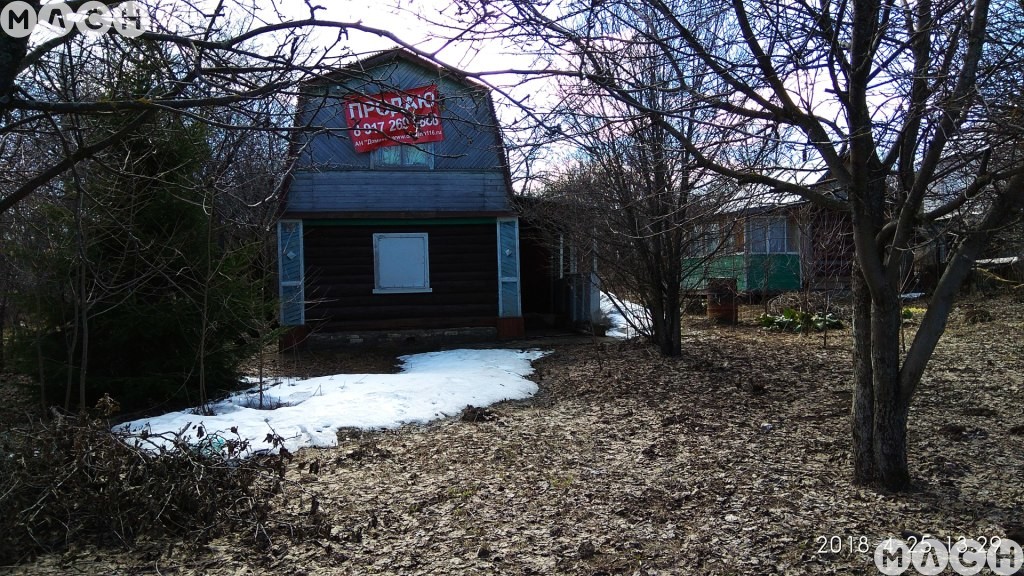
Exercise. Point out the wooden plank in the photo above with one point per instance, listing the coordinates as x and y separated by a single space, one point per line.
396 312
397 191
414 323
340 281
428 218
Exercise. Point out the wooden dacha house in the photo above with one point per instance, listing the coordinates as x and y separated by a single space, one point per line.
398 223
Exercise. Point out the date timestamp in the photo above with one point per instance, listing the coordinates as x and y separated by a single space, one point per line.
929 555
841 545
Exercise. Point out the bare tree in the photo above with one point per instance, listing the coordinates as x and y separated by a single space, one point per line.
884 97
219 54
826 247
635 194
229 69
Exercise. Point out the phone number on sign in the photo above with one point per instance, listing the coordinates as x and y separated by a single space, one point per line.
930 555
394 125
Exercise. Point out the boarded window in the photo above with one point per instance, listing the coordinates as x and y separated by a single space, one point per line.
401 263
737 236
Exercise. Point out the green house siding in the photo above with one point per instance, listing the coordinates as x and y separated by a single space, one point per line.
773 272
753 272
696 271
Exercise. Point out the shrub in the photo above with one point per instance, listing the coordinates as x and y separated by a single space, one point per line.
73 481
793 320
176 299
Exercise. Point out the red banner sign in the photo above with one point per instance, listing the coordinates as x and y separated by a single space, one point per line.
391 118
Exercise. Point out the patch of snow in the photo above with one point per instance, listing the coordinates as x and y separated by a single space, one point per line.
911 295
431 386
617 315
982 262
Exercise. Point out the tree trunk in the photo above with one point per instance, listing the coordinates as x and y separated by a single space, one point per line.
879 414
669 336
883 388
863 424
73 344
673 341
673 322
890 416
83 369
42 375
3 323
12 53
665 311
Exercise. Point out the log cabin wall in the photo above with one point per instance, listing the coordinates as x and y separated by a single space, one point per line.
340 278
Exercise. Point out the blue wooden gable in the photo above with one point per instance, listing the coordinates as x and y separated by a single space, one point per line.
466 170
418 234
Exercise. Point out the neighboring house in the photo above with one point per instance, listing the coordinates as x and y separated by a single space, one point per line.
774 247
398 221
1002 257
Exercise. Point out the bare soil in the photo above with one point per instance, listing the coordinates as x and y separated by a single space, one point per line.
733 459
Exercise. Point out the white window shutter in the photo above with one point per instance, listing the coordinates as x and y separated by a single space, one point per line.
508 268
401 263
291 273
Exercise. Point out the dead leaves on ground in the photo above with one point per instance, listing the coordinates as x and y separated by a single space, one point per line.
731 459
